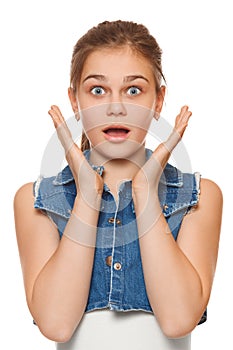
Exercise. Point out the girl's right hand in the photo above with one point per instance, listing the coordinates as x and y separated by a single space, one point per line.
88 182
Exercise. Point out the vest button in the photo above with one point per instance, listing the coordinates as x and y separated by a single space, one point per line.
109 260
118 221
111 220
117 266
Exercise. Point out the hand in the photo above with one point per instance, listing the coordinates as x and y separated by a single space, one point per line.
88 182
147 179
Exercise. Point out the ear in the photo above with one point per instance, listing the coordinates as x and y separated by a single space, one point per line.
73 100
159 101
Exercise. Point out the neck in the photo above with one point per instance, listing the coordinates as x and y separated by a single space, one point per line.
119 169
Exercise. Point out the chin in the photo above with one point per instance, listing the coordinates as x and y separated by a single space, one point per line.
124 150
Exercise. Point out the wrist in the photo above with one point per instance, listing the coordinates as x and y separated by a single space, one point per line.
148 212
86 206
144 199
81 231
82 224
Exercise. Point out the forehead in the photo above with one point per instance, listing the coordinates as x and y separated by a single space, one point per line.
116 61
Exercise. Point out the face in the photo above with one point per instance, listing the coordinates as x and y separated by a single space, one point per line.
116 99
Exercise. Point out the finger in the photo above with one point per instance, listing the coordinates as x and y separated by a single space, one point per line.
182 120
65 137
179 129
56 115
62 129
184 114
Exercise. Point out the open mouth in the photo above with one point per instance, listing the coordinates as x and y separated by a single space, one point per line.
116 133
116 130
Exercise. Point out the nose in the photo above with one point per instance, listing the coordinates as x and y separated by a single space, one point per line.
116 109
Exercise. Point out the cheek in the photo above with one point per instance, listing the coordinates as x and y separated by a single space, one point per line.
140 135
94 136
132 115
93 118
139 117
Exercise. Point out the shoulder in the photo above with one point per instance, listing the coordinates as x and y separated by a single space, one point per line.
207 215
24 202
28 220
210 192
24 194
24 188
210 185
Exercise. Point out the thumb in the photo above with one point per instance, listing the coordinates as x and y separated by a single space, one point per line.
179 128
62 129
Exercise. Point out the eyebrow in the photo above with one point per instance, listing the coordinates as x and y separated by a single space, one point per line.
130 78
95 76
126 79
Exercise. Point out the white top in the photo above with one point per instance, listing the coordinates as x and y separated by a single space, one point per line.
136 330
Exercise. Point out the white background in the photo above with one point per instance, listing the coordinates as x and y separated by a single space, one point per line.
37 38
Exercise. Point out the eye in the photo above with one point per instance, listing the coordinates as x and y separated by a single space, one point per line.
133 90
97 90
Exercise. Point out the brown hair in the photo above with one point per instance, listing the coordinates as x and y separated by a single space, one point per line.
112 35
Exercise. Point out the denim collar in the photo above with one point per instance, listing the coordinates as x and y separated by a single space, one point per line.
171 175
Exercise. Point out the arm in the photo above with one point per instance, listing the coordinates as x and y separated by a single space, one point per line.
178 275
57 273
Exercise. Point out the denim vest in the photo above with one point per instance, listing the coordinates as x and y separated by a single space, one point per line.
117 278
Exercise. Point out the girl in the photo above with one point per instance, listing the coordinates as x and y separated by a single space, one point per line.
126 253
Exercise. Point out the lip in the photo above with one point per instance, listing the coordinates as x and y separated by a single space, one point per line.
116 133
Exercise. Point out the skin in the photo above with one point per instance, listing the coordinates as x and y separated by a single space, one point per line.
178 275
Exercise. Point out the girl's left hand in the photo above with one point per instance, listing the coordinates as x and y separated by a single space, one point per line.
147 179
